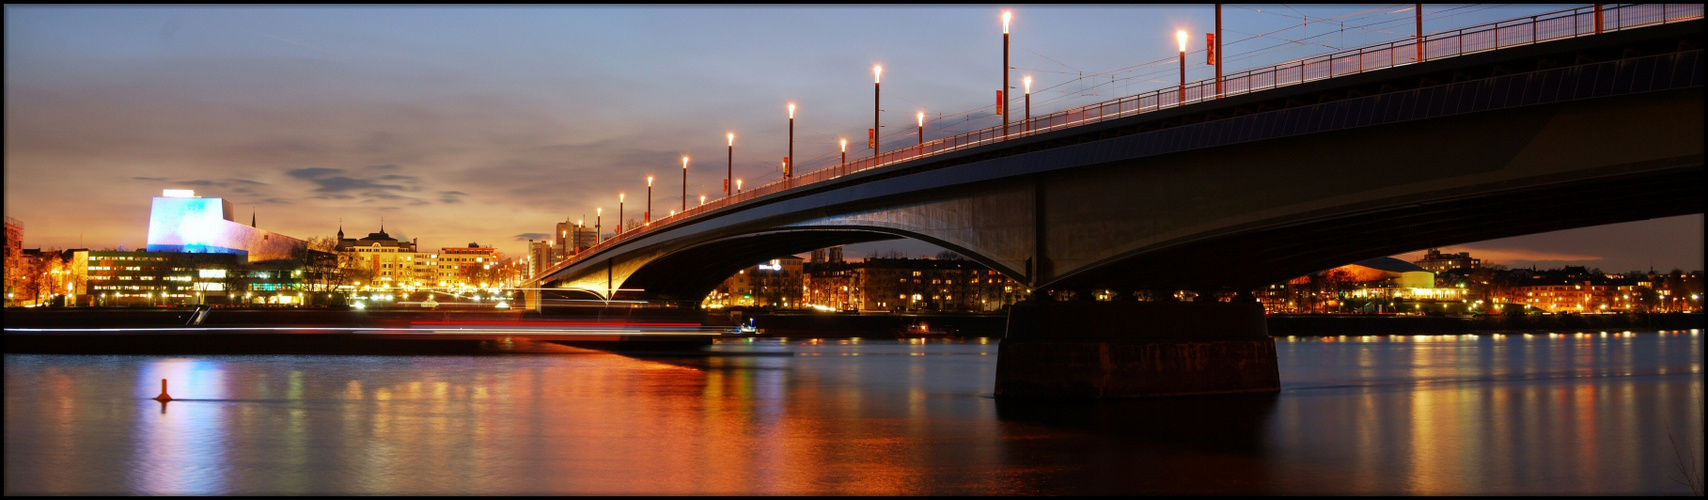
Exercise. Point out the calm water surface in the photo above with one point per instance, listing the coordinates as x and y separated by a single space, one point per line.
1509 414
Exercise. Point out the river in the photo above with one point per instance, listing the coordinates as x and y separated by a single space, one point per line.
1587 413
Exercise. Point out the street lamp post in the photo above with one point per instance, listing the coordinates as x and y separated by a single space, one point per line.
788 170
620 199
702 200
684 183
1216 50
1006 15
575 244
646 217
1417 13
598 229
877 97
729 173
844 165
1027 81
922 132
1181 35
738 186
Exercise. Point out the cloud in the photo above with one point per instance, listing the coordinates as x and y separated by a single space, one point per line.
1511 256
531 236
312 172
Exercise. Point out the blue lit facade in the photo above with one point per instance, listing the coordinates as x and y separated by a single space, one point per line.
182 222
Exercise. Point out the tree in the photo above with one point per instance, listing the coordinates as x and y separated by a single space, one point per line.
318 260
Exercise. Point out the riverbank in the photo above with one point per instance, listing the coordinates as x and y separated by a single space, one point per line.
828 325
1338 324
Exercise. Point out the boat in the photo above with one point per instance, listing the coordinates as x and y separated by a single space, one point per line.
744 330
923 330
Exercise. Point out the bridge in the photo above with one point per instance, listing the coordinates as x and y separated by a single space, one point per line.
1531 125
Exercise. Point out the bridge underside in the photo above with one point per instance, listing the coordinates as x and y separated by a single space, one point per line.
1250 260
1241 217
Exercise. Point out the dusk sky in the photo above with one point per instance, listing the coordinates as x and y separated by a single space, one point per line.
491 124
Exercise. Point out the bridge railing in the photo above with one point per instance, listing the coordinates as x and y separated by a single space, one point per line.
1539 28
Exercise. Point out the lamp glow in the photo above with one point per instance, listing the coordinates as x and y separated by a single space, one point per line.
791 111
684 163
921 118
845 145
877 73
1028 82
1006 15
1181 36
732 139
648 184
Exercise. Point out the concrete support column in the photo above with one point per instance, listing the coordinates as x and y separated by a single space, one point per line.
531 298
1095 350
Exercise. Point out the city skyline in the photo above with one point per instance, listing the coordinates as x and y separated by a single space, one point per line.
460 124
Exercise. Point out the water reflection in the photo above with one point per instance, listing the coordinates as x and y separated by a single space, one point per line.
1511 414
1515 414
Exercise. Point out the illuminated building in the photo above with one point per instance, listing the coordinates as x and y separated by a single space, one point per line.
776 283
469 266
14 258
392 262
902 285
539 256
1379 285
119 278
180 221
1579 297
913 285
1436 262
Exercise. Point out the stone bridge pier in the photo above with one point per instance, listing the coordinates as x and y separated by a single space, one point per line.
1088 349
